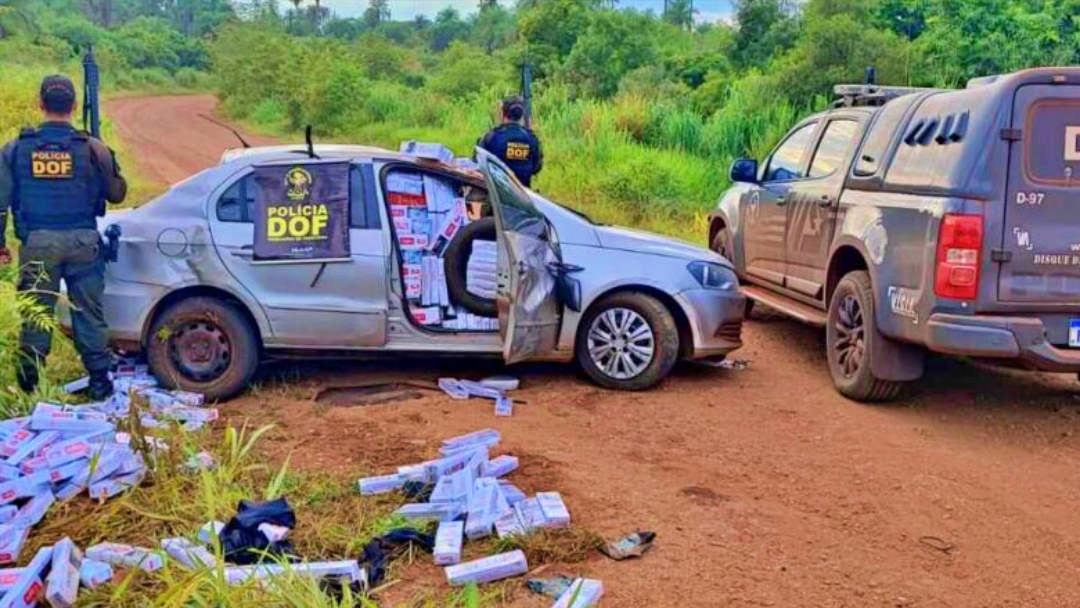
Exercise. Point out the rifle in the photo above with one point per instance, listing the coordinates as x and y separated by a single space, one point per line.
526 92
91 84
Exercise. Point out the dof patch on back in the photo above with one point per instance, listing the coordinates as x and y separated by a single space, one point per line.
516 151
52 162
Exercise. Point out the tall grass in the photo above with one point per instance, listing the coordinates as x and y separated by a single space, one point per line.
655 163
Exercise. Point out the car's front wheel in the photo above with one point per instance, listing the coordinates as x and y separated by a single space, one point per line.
204 345
628 341
849 339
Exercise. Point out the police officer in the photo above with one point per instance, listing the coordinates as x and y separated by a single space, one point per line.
56 181
514 143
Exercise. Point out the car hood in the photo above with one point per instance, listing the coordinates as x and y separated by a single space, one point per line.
639 241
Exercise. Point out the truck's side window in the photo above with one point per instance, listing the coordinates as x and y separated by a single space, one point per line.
237 204
786 161
838 138
876 143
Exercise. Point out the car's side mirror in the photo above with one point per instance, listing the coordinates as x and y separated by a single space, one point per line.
744 170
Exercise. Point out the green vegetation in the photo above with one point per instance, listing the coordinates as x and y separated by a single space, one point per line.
641 114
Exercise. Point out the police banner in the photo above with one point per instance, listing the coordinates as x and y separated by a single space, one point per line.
302 211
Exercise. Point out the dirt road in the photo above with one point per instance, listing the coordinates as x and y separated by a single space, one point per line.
766 488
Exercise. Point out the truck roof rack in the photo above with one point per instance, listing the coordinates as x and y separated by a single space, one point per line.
853 95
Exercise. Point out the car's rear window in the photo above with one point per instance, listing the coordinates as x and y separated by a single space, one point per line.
1052 142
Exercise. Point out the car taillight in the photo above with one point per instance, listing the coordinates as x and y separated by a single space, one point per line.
959 248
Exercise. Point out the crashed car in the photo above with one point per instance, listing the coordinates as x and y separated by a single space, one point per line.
189 291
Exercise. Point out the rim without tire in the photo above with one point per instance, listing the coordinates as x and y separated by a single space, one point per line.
621 343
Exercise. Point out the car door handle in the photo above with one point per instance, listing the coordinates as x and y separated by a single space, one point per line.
782 200
245 253
825 200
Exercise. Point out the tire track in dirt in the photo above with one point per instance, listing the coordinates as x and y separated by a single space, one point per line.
765 486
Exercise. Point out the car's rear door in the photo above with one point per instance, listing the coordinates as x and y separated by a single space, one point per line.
1042 206
528 308
310 303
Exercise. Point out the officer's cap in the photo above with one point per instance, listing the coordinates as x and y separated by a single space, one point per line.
58 94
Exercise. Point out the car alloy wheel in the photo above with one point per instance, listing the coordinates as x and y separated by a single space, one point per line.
621 343
200 350
850 345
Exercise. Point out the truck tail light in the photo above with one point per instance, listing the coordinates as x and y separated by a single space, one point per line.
959 249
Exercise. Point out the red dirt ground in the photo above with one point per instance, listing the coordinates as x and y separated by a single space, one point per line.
765 487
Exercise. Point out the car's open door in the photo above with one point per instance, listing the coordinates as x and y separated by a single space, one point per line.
527 304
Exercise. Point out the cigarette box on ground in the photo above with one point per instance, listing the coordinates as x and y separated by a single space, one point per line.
30 485
11 546
111 487
188 554
448 540
27 449
34 510
504 406
485 505
210 531
500 466
485 438
8 578
583 592
488 569
94 573
453 488
62 583
350 570
381 485
28 588
436 511
553 508
116 554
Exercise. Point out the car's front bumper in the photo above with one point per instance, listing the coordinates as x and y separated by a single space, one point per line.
1000 337
715 318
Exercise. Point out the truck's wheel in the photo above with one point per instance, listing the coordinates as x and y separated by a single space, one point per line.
849 334
723 244
203 345
627 341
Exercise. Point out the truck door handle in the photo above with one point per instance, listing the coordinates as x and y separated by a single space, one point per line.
825 200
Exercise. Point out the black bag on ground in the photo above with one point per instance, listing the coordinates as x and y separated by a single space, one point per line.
242 541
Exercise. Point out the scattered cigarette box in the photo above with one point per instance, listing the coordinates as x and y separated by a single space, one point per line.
7 513
349 570
453 488
188 554
436 511
553 508
69 471
8 578
94 573
66 451
14 441
62 583
116 554
34 510
448 540
452 388
77 385
583 592
30 485
28 448
488 569
111 487
485 505
381 485
11 543
504 406
530 514
500 466
28 588
210 532
486 438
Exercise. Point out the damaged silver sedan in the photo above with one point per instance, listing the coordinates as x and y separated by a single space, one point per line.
625 305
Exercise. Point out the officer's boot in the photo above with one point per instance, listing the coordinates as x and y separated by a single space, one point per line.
28 377
101 386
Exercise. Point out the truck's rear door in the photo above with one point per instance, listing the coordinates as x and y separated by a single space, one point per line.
1042 216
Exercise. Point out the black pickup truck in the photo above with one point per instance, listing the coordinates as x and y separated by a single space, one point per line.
905 220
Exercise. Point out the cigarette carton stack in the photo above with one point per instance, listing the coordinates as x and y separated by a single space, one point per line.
427 213
470 502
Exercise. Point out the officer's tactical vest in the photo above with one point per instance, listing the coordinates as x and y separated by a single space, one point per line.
513 144
56 186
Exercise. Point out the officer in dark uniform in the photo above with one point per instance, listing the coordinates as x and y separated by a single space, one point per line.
514 143
56 180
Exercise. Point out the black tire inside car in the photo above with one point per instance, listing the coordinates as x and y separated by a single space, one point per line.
456 260
204 345
849 341
615 334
